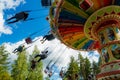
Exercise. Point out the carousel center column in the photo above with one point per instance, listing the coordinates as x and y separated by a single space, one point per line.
104 26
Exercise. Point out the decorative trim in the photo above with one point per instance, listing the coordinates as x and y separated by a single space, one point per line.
116 61
110 43
108 74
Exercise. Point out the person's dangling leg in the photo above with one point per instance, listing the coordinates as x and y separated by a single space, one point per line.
39 59
37 56
11 18
15 50
43 40
13 21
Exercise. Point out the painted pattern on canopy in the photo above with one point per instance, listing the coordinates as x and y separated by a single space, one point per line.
68 21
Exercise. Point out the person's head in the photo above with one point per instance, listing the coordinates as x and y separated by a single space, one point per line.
25 15
50 74
111 32
117 50
23 45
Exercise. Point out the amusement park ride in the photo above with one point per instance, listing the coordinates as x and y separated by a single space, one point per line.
90 25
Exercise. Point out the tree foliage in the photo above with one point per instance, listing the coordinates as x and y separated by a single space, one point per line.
35 74
96 68
73 70
83 67
4 74
20 67
87 68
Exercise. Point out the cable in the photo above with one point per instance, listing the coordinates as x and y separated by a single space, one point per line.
26 11
29 19
58 58
34 33
53 57
34 10
50 69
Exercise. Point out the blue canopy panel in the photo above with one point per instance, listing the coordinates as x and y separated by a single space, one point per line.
88 44
66 15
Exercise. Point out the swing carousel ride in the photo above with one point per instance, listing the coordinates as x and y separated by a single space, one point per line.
90 25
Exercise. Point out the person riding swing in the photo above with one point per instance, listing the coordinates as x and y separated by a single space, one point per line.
19 16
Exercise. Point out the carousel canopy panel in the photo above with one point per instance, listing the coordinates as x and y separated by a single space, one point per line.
76 22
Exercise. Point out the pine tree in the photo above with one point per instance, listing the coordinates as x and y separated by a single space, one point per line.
85 67
81 66
20 67
35 74
4 74
73 70
96 68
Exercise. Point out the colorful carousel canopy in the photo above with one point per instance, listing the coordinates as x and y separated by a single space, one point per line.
72 21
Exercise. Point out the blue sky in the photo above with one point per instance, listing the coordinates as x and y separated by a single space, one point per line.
21 30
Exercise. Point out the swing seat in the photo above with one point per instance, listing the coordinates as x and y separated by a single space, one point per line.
28 40
46 3
45 71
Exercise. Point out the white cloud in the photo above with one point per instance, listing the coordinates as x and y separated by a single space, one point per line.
7 4
4 29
